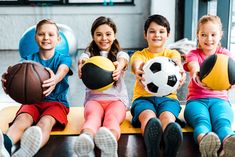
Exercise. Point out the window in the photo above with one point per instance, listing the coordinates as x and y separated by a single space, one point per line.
232 38
105 2
66 2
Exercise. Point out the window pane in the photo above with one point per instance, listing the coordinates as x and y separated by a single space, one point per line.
232 39
99 1
212 7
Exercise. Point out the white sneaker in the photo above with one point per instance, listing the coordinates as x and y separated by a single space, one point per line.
106 142
84 146
30 142
229 147
3 151
209 145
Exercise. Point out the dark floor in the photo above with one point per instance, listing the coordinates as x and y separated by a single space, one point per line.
128 146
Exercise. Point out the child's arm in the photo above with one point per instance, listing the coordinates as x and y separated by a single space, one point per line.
55 78
137 69
3 79
82 59
182 72
80 64
193 68
121 65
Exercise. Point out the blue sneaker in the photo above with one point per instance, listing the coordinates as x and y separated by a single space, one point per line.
3 151
152 137
172 138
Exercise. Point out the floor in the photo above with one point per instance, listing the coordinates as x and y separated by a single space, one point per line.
129 145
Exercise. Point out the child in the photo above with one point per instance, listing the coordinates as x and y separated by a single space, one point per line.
156 115
42 114
104 111
208 111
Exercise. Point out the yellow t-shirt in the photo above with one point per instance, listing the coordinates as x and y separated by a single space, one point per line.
144 56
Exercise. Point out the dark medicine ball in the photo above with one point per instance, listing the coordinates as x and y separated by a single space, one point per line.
24 82
97 73
218 72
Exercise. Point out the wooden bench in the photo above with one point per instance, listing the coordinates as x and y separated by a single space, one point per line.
76 119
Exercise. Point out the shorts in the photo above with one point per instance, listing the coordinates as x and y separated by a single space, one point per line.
55 109
156 104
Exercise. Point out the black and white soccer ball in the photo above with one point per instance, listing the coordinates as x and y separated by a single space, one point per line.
161 76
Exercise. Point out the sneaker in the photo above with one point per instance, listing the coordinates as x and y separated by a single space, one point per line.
3 151
172 138
229 147
152 137
106 142
209 145
30 142
84 146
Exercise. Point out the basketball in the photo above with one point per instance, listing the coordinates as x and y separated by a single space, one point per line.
161 76
97 73
24 82
218 72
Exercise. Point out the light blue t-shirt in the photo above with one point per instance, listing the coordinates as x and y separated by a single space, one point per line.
59 94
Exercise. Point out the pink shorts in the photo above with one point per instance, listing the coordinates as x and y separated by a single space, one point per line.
54 109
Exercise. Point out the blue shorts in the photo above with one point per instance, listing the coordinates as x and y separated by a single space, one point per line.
156 104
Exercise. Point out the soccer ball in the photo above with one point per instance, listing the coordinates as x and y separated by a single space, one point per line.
161 76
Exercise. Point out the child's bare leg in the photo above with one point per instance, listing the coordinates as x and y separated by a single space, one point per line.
152 132
46 124
16 130
166 118
144 117
35 137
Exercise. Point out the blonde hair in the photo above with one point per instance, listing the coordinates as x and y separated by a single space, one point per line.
210 18
46 21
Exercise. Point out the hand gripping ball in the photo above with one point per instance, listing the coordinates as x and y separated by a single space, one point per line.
161 76
24 82
97 73
218 72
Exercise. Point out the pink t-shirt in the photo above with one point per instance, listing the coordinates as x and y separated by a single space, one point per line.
195 91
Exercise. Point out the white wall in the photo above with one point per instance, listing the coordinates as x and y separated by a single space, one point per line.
129 19
167 9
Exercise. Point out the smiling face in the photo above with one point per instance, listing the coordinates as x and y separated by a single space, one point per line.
47 37
104 37
156 35
209 36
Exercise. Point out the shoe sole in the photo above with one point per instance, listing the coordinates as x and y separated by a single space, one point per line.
172 138
84 146
106 142
209 145
229 149
152 137
30 142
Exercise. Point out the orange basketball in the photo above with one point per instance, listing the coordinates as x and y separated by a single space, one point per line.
24 82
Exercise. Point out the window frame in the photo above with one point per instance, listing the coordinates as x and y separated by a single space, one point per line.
62 2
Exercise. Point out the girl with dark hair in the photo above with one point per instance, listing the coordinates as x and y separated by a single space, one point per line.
105 110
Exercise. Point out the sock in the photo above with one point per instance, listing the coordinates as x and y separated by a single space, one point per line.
7 143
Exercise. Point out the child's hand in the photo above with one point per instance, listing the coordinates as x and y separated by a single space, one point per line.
183 77
232 87
80 64
139 73
3 79
197 80
182 72
118 71
50 83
